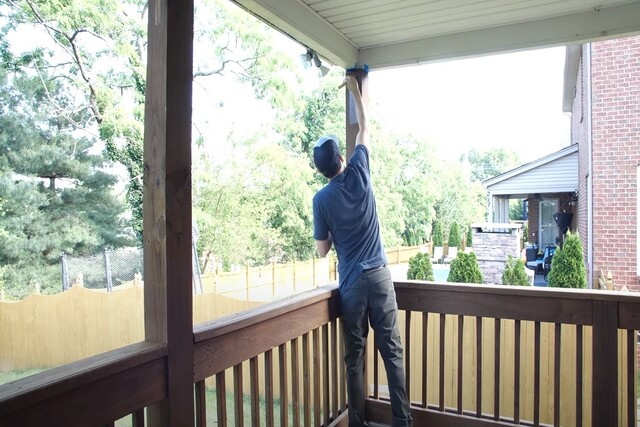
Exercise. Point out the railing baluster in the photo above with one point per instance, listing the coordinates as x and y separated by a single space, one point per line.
478 367
306 386
407 353
268 388
579 356
325 373
460 360
255 391
536 374
631 373
221 397
425 358
496 380
556 375
238 395
201 405
516 374
295 387
441 367
604 406
284 392
334 369
316 377
138 418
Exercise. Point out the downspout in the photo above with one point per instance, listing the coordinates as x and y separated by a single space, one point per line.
587 67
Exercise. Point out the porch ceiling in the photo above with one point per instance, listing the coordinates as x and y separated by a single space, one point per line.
386 33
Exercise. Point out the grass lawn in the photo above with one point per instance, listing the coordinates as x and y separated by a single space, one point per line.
7 377
212 412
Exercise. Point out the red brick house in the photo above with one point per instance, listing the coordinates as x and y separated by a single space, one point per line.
596 178
602 92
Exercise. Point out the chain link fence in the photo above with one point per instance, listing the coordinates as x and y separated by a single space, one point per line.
112 268
102 271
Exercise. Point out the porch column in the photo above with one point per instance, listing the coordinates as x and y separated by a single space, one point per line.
351 119
167 204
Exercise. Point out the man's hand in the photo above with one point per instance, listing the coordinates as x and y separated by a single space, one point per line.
352 84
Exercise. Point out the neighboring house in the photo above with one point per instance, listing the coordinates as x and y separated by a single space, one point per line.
596 178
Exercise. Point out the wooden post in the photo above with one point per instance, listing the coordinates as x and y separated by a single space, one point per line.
246 281
294 274
313 278
604 407
273 279
351 120
167 204
107 269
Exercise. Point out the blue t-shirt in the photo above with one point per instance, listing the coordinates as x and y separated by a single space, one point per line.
346 207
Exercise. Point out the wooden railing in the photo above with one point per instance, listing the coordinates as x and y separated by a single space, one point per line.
306 385
475 355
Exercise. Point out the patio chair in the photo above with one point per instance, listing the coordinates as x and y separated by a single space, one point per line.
438 256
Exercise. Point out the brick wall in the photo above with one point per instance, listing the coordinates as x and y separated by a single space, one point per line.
615 83
580 136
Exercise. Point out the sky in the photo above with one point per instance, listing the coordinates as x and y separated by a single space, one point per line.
512 100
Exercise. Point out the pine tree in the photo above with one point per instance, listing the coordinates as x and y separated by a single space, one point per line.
567 265
54 193
454 236
465 269
420 267
514 273
437 233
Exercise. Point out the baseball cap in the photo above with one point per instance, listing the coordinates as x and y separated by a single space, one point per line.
326 155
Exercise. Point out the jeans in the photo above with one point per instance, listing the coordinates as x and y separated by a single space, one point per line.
372 299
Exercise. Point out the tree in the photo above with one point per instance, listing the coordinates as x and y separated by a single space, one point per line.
465 269
55 195
99 50
492 162
469 237
420 267
514 273
567 264
454 236
437 233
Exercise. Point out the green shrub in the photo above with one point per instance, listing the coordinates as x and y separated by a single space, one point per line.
454 236
420 267
437 233
469 237
567 265
514 273
465 269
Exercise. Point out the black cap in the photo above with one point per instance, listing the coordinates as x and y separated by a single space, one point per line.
326 155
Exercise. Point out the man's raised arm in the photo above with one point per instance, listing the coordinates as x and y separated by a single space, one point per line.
361 111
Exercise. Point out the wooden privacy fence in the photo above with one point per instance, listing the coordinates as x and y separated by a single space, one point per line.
50 330
269 282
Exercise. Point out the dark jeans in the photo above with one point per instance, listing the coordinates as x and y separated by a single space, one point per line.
372 299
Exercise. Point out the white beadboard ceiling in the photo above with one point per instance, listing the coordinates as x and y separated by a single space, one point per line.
387 33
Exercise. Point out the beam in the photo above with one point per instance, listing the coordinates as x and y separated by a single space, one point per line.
299 22
167 204
600 23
